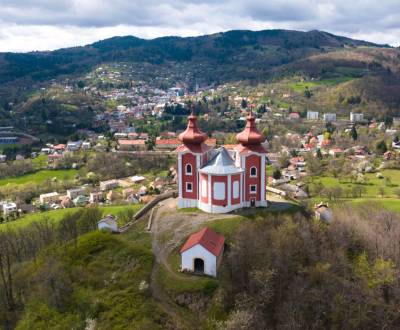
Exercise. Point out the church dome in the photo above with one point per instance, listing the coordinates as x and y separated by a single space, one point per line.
250 135
192 134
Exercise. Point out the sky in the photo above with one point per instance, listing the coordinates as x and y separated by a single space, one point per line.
28 25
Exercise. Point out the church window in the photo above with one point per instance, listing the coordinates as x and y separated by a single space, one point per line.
188 169
253 189
189 187
253 171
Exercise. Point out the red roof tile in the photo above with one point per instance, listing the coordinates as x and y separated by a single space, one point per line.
169 141
208 239
131 142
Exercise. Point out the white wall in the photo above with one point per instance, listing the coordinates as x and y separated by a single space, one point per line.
219 191
105 226
197 251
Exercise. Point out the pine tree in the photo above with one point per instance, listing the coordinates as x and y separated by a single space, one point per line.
353 133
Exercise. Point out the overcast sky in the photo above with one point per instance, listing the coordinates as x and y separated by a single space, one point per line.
27 25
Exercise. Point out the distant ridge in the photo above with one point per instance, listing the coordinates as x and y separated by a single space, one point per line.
261 49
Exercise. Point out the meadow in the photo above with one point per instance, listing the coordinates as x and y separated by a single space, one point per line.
299 87
373 186
41 176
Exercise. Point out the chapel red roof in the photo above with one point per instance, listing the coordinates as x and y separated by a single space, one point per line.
192 134
250 135
208 239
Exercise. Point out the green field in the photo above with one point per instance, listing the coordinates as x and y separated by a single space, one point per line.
372 186
391 204
299 87
41 176
57 215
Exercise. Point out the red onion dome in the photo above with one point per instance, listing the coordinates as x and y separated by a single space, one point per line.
192 134
250 135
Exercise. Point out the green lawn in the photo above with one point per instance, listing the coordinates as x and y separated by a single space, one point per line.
372 187
56 215
41 176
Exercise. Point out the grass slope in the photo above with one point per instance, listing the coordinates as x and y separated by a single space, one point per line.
107 277
41 176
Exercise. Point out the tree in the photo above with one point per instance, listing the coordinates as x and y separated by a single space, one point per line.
307 92
277 174
381 147
244 104
353 133
81 84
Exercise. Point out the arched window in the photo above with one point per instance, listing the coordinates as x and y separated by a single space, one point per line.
253 171
188 169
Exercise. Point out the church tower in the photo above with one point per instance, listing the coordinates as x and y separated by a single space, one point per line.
192 155
251 156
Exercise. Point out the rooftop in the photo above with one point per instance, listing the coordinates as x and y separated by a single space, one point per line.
208 239
221 163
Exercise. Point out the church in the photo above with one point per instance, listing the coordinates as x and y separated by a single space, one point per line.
221 180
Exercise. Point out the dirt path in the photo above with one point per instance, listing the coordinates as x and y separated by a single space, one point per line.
168 229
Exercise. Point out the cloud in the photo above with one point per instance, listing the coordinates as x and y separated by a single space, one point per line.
47 24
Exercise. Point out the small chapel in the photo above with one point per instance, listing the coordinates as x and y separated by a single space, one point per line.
221 180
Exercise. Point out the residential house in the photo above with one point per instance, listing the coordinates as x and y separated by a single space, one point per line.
9 208
75 192
49 198
356 117
3 158
86 145
294 116
108 223
137 178
80 200
132 145
329 117
109 184
167 144
96 197
323 212
312 115
334 152
74 145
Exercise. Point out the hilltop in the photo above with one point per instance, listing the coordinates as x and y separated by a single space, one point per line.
336 69
266 49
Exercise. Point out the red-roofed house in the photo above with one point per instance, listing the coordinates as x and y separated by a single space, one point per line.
167 144
202 252
294 116
126 145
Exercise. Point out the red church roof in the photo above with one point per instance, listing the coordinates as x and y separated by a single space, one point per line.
208 239
250 135
192 134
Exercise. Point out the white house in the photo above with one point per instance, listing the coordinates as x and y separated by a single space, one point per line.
109 184
329 117
9 208
108 223
356 117
74 145
75 192
312 115
202 252
3 158
49 198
